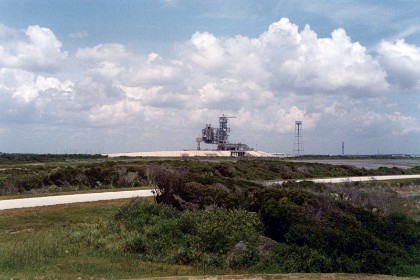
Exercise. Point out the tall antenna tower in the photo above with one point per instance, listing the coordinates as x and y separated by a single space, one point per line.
298 143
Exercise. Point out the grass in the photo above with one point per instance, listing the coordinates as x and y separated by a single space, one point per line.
47 243
299 276
50 243
53 242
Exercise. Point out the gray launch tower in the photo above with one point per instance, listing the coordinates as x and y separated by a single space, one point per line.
219 136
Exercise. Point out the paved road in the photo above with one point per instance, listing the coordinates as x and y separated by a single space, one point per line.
349 179
74 198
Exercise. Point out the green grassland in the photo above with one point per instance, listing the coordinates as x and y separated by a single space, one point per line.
52 243
210 217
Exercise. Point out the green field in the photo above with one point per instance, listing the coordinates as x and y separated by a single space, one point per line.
49 243
212 217
42 243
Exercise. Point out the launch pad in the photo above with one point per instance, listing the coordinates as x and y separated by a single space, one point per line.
209 135
219 136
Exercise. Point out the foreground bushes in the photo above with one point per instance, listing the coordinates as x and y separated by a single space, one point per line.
208 215
278 237
307 231
214 237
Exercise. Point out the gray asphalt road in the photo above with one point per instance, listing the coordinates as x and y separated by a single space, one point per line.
74 198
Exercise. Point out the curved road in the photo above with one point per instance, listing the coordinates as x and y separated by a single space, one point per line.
74 198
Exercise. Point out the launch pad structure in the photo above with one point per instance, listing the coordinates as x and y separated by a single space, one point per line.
219 136
209 135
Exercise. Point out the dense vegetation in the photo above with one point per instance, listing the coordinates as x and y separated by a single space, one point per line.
214 214
284 229
43 158
69 242
42 174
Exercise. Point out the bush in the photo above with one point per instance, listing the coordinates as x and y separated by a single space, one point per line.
292 258
203 237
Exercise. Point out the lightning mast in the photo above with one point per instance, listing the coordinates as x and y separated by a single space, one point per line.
298 143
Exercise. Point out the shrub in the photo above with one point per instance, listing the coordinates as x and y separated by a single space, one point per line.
292 258
162 233
167 183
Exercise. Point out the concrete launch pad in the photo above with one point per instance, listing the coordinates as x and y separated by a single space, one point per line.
193 153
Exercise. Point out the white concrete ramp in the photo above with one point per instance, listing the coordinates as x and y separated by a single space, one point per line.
188 153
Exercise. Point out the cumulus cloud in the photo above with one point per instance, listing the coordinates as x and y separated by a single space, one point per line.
268 82
103 52
333 64
401 62
282 57
34 49
113 114
38 85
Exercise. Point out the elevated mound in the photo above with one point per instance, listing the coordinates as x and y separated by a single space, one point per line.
192 153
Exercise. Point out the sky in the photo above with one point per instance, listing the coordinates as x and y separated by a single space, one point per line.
92 76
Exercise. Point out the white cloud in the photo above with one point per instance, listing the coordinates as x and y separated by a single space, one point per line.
24 86
267 82
402 124
34 49
333 64
103 52
264 81
113 114
283 57
401 62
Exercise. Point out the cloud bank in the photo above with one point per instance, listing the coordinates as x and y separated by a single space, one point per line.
138 101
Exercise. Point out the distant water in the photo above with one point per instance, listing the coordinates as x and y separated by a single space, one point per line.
369 163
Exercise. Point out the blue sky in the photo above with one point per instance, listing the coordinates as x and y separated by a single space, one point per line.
115 76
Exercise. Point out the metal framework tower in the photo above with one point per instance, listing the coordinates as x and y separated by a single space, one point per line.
298 142
219 136
222 134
